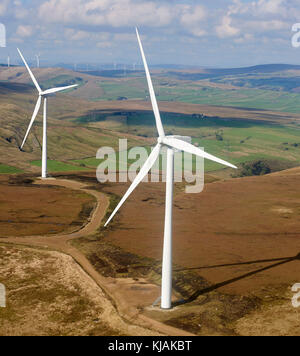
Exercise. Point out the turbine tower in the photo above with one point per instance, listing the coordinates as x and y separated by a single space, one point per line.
172 143
38 56
43 95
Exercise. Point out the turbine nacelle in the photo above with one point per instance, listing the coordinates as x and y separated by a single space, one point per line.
164 141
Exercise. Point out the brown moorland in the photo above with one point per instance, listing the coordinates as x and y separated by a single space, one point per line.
49 294
35 209
232 229
244 278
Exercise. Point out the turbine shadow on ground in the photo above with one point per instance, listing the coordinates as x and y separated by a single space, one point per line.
198 293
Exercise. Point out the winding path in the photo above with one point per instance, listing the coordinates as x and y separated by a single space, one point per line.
61 243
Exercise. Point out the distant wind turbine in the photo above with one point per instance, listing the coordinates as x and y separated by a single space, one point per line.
172 143
38 56
42 95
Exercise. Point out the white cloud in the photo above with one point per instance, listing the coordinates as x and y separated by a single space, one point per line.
266 26
74 35
116 13
166 24
192 19
192 15
104 44
25 31
128 37
246 38
271 6
3 7
226 29
259 8
257 18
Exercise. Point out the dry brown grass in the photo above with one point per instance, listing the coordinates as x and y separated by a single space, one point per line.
41 210
231 222
48 294
231 271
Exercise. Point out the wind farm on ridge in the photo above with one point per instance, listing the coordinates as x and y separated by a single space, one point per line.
231 252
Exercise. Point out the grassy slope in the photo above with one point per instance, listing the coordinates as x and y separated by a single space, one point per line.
77 142
200 93
241 140
4 169
55 166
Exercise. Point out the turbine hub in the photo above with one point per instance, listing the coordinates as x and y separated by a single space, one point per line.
160 140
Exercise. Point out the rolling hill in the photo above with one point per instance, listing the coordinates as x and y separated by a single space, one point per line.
83 120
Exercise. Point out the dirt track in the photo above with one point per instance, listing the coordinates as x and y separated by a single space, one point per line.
137 324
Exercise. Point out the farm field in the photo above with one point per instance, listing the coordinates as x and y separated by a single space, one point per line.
236 140
203 93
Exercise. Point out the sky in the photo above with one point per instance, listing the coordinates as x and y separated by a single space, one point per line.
215 33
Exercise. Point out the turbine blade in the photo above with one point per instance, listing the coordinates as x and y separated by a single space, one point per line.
159 125
56 90
189 148
142 174
36 110
30 73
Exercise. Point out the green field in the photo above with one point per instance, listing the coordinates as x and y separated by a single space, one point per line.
55 166
61 80
132 89
237 141
201 93
4 169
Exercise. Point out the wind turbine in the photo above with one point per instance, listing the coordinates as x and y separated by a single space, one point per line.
43 95
172 143
38 56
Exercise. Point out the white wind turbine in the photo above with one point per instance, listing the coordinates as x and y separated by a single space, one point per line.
38 56
172 143
42 95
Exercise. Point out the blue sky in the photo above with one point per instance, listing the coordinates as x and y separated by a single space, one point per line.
215 33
